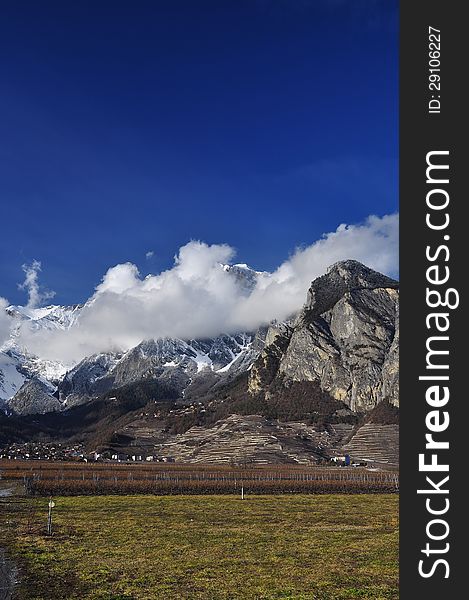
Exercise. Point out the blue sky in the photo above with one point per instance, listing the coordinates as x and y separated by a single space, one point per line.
135 127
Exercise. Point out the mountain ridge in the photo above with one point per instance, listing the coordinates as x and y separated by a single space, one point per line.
326 367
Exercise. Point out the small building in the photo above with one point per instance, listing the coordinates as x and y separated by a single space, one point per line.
342 460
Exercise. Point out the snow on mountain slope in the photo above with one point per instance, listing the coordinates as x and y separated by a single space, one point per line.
179 360
10 378
48 317
244 276
175 361
17 364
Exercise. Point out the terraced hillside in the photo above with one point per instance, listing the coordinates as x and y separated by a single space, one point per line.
237 439
375 442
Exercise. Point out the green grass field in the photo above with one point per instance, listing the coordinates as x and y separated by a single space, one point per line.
212 547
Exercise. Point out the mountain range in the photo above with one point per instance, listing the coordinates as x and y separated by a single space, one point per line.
296 390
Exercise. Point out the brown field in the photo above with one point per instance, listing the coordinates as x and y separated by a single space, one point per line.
47 478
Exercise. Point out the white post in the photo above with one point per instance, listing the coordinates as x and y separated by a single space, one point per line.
49 517
242 493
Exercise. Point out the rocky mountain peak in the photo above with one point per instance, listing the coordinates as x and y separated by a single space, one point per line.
342 277
346 339
357 275
245 277
34 397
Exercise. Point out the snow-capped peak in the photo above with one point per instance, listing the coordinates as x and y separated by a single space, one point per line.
17 364
245 277
53 316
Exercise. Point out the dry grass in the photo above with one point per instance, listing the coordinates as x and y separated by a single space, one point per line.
297 547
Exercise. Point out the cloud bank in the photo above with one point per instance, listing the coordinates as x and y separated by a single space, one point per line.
197 297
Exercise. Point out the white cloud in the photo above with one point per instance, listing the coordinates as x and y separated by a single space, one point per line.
374 243
36 296
149 254
197 298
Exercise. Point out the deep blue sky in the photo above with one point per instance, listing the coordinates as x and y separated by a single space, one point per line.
134 126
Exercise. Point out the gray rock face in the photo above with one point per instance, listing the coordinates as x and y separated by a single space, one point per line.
346 338
34 398
342 277
390 371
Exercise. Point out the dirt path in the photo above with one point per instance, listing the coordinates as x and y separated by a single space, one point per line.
8 570
8 576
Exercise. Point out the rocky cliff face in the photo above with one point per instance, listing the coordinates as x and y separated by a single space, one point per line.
345 338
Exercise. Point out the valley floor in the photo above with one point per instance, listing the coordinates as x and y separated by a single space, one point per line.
297 547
